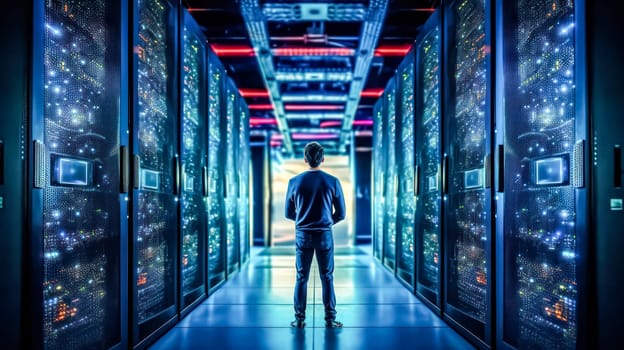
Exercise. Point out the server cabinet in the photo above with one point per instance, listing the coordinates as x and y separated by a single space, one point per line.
216 229
244 160
467 152
378 178
605 75
76 272
15 19
156 174
429 160
406 170
193 158
391 176
230 133
543 121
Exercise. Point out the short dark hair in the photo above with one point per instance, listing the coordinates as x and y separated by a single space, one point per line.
313 154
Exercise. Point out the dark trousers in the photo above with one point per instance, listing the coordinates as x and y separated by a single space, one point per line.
321 243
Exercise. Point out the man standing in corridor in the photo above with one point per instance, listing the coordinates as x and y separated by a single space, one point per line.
315 202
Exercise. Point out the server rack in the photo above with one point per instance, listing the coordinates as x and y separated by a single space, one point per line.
378 178
604 55
193 158
244 156
428 112
216 189
71 140
468 206
406 170
156 174
391 177
14 159
231 179
542 206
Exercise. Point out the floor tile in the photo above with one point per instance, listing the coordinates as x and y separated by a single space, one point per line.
252 295
369 295
389 338
364 277
387 315
207 315
195 338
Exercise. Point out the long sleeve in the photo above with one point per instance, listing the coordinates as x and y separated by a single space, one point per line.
339 204
290 209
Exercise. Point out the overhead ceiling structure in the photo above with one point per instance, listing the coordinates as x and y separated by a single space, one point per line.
311 70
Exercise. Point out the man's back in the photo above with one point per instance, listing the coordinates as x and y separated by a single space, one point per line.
311 199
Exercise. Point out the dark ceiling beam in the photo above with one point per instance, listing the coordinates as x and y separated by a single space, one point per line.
371 30
259 37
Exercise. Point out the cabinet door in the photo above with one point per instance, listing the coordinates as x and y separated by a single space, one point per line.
378 179
539 252
467 133
231 176
155 130
429 161
407 197
391 177
79 159
216 249
193 158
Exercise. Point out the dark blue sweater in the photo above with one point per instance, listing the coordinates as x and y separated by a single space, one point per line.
310 198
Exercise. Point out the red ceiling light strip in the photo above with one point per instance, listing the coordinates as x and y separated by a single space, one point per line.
330 123
314 136
338 123
363 122
374 92
262 121
233 50
313 107
313 51
393 50
261 107
253 93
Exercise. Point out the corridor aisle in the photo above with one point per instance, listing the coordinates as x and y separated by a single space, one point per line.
254 309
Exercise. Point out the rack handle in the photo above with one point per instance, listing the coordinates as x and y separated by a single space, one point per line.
500 157
617 166
1 162
205 181
136 171
416 180
176 175
445 174
124 182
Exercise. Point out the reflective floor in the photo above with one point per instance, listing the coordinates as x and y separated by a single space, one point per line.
253 310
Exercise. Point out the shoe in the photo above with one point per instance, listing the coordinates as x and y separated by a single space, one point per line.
297 324
333 324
